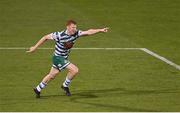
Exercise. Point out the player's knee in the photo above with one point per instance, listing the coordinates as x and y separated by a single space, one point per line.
75 71
52 76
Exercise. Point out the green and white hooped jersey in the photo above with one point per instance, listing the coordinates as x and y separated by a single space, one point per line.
60 38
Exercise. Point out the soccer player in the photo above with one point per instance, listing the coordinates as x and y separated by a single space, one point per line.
64 41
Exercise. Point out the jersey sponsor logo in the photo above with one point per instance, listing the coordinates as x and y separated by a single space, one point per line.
60 38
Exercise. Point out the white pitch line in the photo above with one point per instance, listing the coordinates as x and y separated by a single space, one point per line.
16 48
161 58
11 48
107 48
143 49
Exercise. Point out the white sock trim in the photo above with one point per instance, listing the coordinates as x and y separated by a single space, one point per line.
65 85
66 82
38 88
42 85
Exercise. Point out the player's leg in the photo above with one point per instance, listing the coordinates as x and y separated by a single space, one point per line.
51 75
72 72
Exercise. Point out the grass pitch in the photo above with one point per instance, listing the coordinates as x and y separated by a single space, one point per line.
109 80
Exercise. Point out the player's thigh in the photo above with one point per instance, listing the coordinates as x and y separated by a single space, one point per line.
53 71
72 68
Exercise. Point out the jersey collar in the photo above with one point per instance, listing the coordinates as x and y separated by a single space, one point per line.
65 31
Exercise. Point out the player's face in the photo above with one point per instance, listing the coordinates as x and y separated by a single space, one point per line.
72 28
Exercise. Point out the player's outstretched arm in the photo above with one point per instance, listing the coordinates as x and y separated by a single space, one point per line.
94 31
40 42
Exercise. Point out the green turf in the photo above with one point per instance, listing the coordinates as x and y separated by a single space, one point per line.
109 80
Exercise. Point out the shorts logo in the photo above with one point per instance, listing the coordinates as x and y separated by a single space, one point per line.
59 65
65 61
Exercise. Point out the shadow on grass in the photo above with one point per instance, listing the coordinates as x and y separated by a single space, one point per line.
115 92
82 97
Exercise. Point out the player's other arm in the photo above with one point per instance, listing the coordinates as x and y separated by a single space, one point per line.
40 42
93 31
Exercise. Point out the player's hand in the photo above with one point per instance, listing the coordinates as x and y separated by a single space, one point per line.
105 29
31 49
